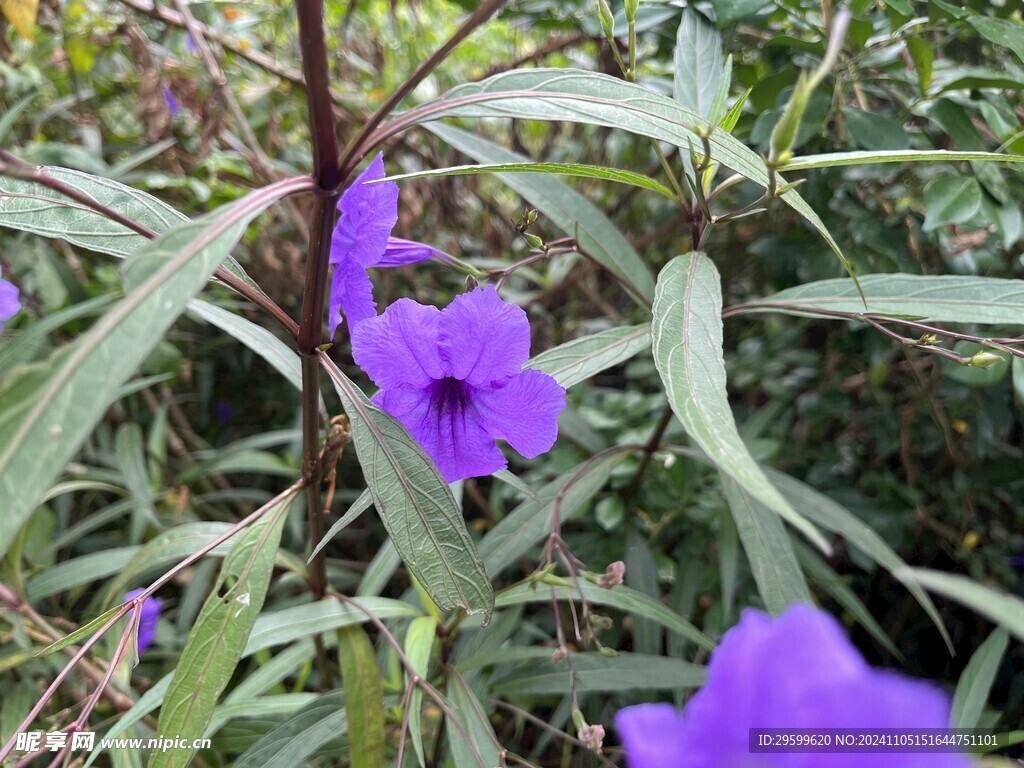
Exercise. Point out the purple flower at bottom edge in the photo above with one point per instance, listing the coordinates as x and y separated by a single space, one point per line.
795 671
453 378
10 301
147 620
362 239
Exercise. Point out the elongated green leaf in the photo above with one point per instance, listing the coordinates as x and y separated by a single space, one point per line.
78 571
364 697
472 741
822 511
283 358
360 505
597 99
300 621
86 378
941 298
567 209
81 633
257 706
687 331
698 64
623 598
219 636
596 673
419 642
577 360
835 159
31 207
563 169
773 562
298 737
1005 610
416 505
976 681
528 523
1004 32
26 345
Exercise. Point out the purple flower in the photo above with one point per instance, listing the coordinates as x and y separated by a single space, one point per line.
796 671
453 378
10 301
362 239
147 620
172 103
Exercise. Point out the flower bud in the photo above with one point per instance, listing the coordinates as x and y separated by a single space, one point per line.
784 133
984 359
604 12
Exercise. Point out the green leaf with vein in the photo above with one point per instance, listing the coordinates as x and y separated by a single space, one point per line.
77 571
360 505
419 642
364 697
975 682
588 97
298 737
577 360
566 208
86 378
687 331
773 562
563 169
836 159
81 633
1003 609
415 504
621 597
698 66
220 633
471 737
824 512
939 298
30 207
596 673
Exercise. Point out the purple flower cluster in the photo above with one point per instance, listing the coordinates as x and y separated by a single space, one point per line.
452 377
10 301
796 671
147 620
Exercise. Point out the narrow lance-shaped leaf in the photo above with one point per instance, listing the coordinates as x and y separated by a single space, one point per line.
415 504
687 330
163 276
940 298
578 360
364 698
218 638
769 551
419 643
1005 610
698 63
596 99
566 208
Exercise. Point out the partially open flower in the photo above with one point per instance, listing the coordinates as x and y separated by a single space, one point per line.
453 378
798 671
10 301
147 620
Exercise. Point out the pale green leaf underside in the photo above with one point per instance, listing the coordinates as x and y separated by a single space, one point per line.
597 99
416 506
576 361
835 159
1003 609
940 298
44 437
687 331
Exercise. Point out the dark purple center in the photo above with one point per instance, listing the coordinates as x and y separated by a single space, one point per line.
450 395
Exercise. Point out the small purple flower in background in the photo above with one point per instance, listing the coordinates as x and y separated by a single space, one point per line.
453 378
148 619
172 103
362 239
795 671
10 301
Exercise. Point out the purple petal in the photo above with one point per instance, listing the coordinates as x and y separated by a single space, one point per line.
10 301
400 253
368 214
523 411
351 294
399 348
801 671
652 735
483 339
147 620
172 103
446 425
